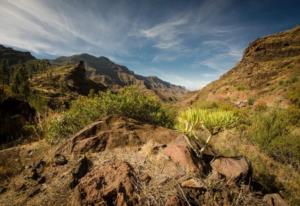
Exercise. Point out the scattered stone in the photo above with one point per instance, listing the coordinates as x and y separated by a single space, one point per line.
233 169
80 170
113 183
193 183
60 159
274 200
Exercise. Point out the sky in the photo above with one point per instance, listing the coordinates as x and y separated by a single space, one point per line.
187 42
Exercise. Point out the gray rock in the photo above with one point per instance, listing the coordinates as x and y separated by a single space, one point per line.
60 159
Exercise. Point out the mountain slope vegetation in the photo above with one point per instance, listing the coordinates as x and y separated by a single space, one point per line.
268 73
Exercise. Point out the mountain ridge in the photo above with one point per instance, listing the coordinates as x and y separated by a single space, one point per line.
102 70
267 73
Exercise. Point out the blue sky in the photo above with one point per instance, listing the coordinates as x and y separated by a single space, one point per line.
186 42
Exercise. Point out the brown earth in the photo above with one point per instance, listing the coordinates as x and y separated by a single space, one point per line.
115 161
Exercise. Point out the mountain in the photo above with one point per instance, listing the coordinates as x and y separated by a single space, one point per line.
267 74
105 72
13 56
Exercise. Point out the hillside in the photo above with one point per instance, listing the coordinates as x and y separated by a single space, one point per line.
268 73
74 133
103 71
14 57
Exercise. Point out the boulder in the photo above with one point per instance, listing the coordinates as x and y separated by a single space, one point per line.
112 183
233 169
180 153
274 200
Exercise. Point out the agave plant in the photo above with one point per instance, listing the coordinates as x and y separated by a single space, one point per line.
213 120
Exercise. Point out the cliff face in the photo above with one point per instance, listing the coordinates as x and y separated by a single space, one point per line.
268 71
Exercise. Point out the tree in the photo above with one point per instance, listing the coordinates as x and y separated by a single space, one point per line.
20 83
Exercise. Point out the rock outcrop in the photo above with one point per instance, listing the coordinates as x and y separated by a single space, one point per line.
77 81
113 183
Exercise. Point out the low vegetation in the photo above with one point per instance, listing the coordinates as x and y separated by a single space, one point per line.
270 133
273 132
129 102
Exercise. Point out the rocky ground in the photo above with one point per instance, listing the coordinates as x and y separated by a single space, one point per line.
119 161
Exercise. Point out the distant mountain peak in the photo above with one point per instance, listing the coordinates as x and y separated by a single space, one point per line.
112 75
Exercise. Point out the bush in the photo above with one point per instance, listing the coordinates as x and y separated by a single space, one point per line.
286 149
271 132
129 102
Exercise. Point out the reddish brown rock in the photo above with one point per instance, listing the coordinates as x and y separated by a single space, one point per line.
114 131
113 183
180 153
233 169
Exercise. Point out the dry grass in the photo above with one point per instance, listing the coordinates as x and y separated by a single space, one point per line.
266 170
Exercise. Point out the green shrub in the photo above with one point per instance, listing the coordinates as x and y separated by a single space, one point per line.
286 149
241 87
267 126
271 132
129 102
251 101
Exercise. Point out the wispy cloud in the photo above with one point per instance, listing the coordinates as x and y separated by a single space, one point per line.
166 34
192 42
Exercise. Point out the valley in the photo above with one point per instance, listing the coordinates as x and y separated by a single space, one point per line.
84 130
